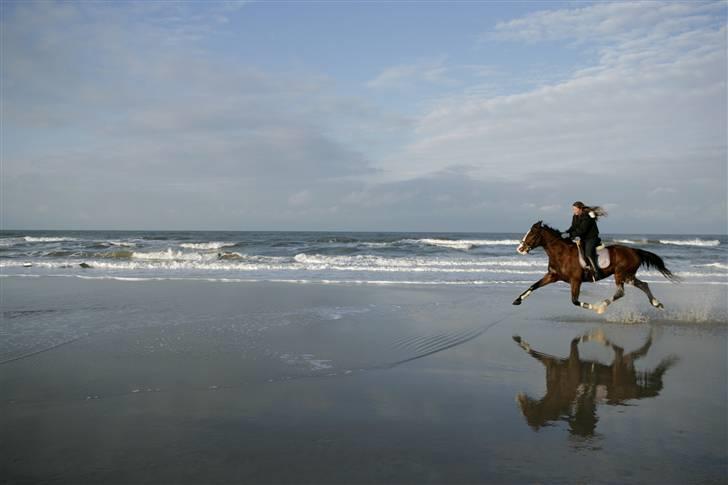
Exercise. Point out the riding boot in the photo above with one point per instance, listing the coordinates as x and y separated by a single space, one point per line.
596 272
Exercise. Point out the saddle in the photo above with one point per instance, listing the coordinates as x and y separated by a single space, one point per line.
602 257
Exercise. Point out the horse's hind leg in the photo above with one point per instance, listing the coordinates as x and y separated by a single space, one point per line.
619 280
646 288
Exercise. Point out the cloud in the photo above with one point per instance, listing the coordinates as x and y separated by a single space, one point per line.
651 109
404 75
299 198
608 22
102 109
122 115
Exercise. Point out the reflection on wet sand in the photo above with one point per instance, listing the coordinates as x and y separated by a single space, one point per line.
574 386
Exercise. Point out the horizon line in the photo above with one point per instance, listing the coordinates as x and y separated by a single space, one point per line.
353 231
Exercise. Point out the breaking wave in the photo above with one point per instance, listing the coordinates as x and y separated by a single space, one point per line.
714 265
123 244
673 242
207 245
690 242
177 260
10 241
464 244
34 239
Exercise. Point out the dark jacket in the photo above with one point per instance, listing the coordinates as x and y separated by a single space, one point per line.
584 227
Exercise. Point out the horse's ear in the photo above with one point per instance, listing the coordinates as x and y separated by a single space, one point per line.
540 223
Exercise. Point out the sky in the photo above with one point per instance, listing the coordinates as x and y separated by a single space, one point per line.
365 116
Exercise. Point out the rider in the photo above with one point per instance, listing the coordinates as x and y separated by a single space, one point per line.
584 226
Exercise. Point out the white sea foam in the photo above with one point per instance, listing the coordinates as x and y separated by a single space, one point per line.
123 244
170 255
175 261
207 245
365 260
10 241
683 274
375 244
713 265
277 280
690 242
48 239
462 243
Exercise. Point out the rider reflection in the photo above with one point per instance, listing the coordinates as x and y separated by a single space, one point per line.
574 386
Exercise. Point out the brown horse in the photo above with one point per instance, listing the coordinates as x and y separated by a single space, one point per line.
564 266
574 386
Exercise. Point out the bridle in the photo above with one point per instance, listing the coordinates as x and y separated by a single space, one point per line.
524 248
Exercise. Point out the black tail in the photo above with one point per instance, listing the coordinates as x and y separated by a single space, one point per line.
651 260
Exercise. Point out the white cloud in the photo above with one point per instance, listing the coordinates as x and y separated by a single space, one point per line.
406 75
646 107
299 198
608 21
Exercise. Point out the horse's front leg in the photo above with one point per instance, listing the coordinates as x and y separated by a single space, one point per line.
547 279
575 290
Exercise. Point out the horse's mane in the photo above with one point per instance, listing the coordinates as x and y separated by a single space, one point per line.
552 230
555 233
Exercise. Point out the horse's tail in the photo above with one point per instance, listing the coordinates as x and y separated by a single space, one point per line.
651 260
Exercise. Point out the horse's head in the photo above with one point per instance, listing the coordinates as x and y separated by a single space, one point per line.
532 239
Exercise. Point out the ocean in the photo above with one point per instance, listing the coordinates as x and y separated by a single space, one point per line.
375 258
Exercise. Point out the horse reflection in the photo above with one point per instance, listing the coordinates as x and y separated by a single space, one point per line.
574 386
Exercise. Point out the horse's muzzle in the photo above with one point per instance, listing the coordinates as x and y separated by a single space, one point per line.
523 249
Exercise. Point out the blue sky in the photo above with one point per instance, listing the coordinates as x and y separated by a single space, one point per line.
429 116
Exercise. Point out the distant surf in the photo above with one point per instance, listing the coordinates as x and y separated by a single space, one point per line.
351 257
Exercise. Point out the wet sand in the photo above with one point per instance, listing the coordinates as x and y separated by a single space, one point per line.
198 382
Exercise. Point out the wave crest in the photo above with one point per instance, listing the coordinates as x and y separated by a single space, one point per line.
690 242
463 244
207 245
34 239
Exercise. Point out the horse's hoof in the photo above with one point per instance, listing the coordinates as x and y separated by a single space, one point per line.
517 301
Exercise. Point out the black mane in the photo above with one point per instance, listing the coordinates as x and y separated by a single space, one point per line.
552 230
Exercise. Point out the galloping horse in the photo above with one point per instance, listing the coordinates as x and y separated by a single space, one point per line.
564 266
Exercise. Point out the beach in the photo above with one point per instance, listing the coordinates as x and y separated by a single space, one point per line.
363 242
113 381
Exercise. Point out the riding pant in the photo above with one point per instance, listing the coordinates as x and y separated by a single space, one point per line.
590 250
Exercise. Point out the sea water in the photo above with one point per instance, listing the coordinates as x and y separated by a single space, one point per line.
328 257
